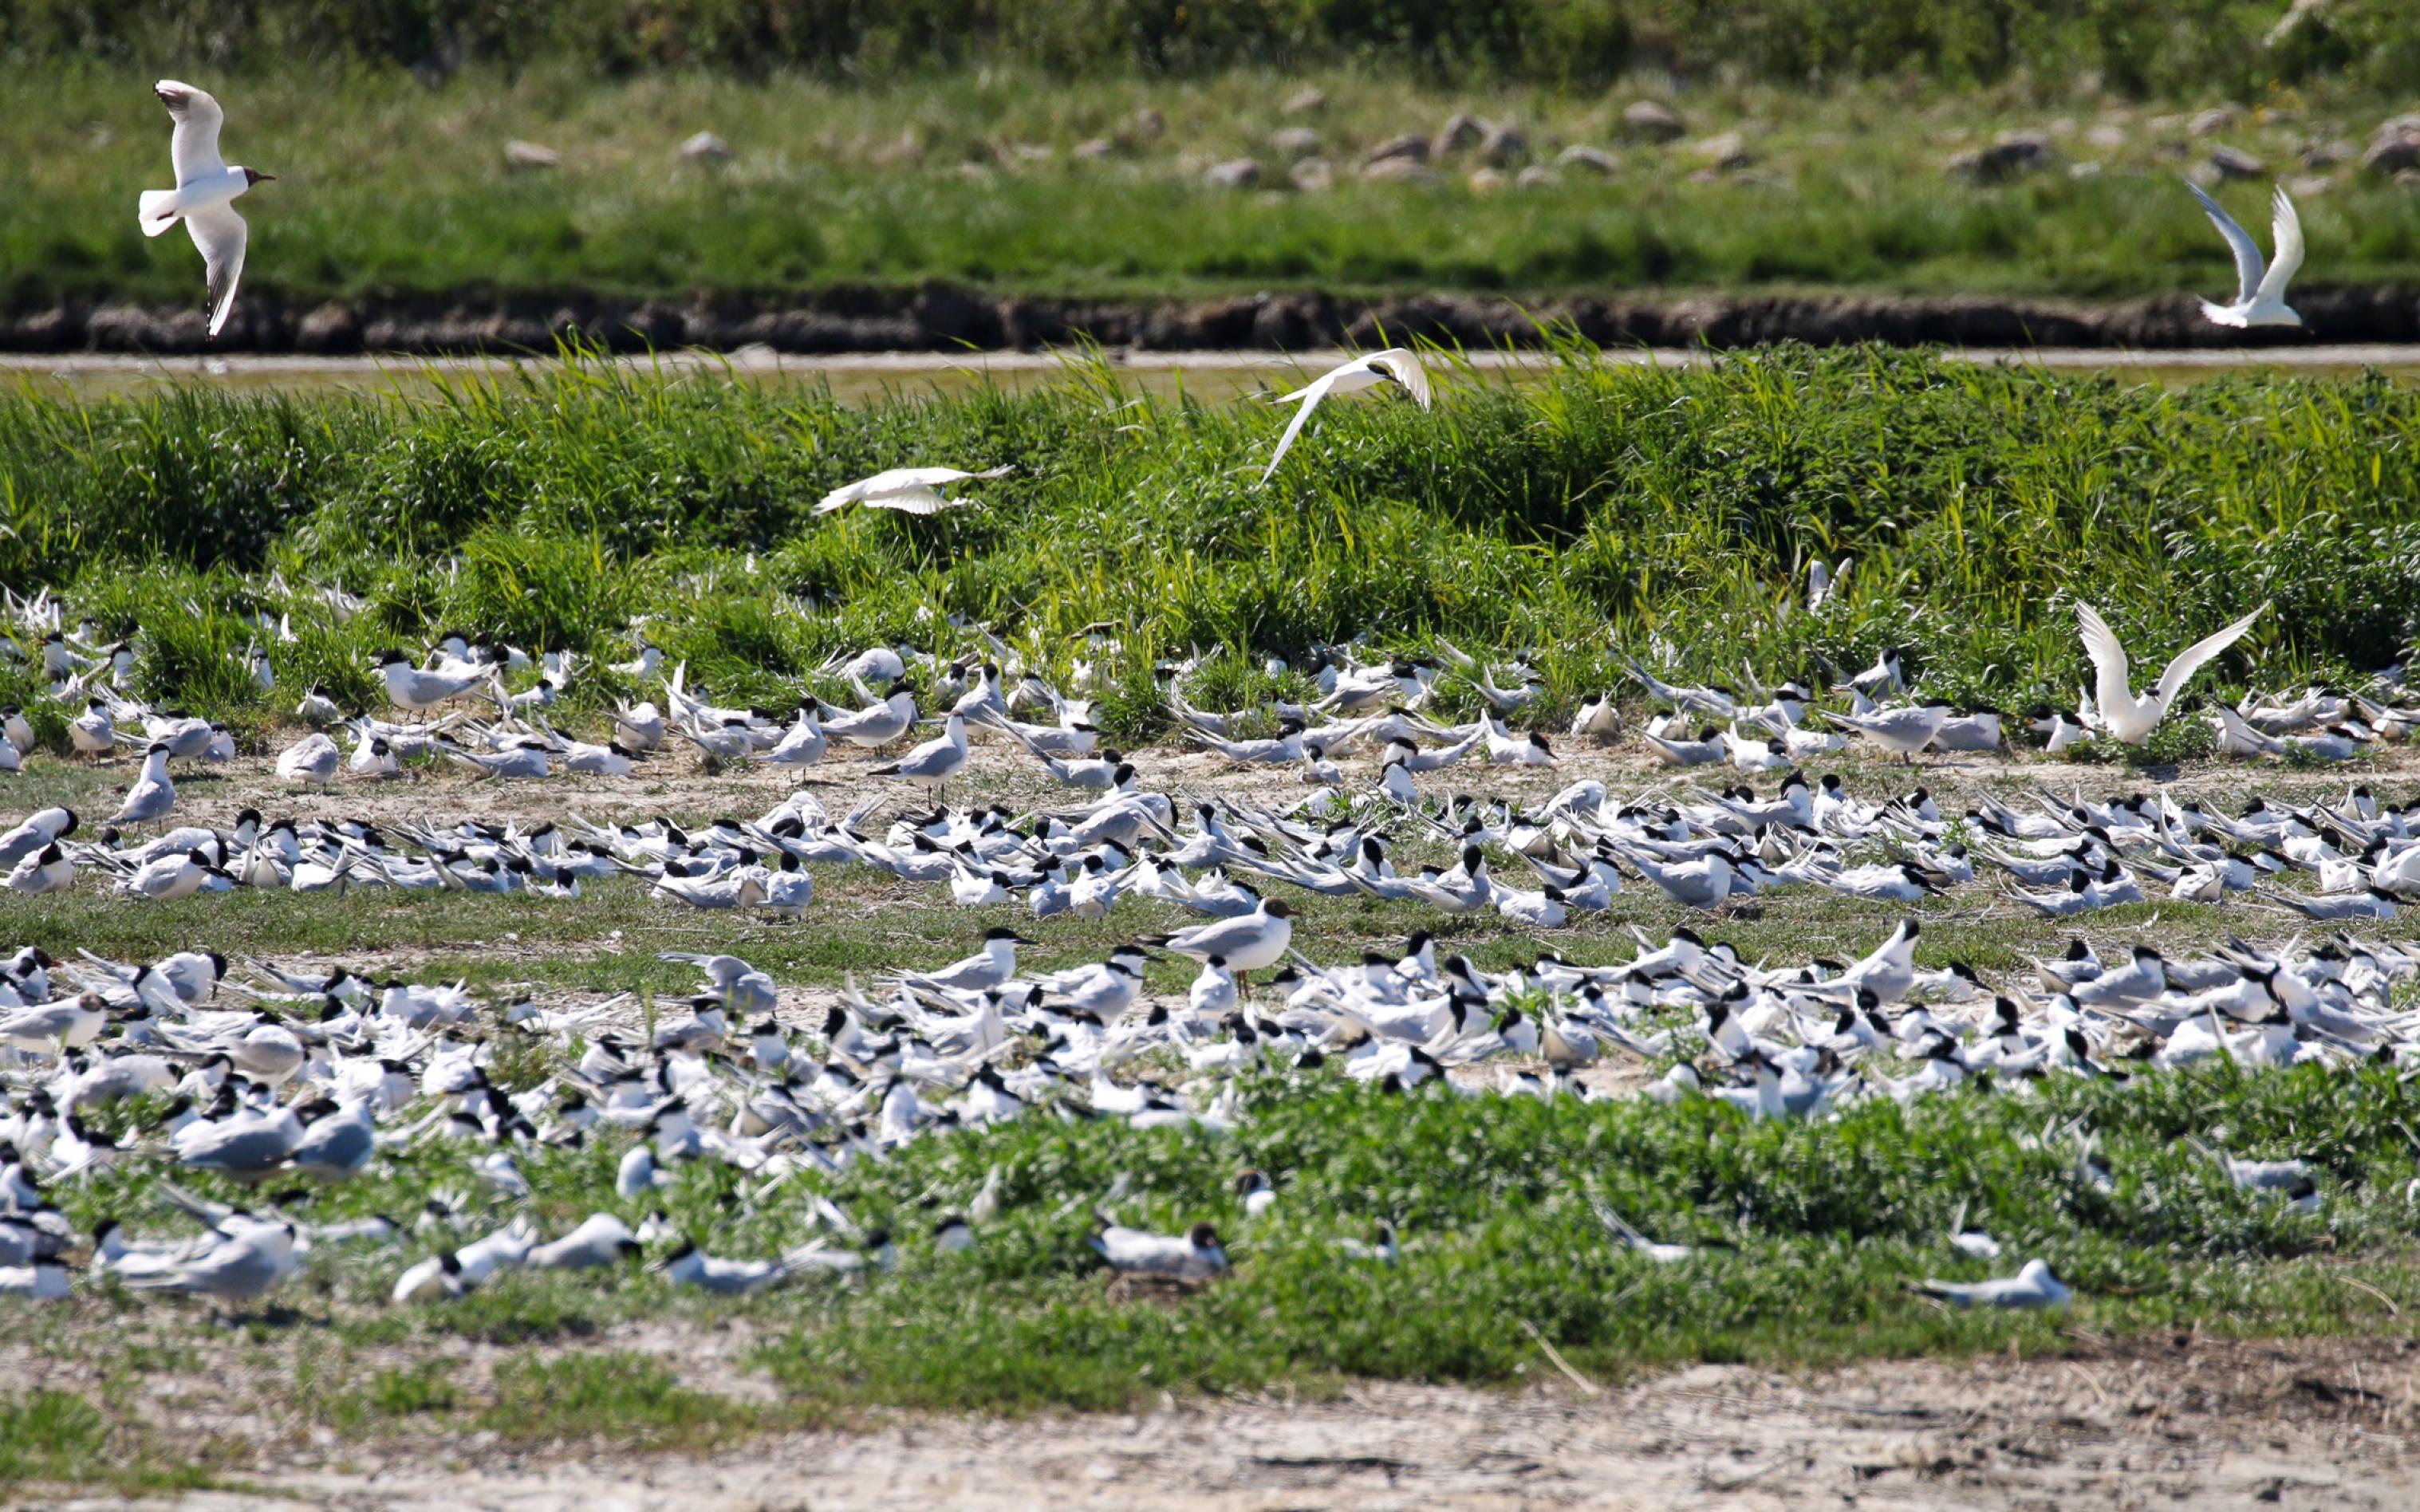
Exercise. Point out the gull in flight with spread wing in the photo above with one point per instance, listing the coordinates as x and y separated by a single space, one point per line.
1396 364
205 194
2129 719
908 491
2260 292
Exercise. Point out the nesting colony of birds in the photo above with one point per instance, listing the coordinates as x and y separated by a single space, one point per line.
260 1083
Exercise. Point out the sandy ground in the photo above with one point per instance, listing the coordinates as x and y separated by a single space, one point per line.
2179 1424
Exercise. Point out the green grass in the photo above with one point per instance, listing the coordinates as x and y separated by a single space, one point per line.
628 1398
392 189
61 1436
1825 1225
1593 515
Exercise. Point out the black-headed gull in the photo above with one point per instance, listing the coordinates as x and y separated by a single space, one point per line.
1396 364
205 194
2260 291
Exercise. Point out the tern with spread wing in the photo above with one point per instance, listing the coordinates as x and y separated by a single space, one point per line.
2261 290
1396 364
908 491
2129 719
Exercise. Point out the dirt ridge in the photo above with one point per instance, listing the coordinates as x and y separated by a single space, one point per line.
950 317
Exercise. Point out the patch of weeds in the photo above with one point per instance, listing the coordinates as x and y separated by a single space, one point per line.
628 1398
60 1436
408 1391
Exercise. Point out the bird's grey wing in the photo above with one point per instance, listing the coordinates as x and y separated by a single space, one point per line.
1406 365
2238 240
2190 661
2110 689
194 146
2286 256
220 234
1310 401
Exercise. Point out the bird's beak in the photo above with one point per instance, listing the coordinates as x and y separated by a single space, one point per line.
269 178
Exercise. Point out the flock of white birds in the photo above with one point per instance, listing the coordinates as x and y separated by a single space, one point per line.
274 1075
269 1075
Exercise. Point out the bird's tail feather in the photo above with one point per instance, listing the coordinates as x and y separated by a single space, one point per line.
157 210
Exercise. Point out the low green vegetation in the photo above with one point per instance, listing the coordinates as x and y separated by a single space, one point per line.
1807 1236
391 189
1597 513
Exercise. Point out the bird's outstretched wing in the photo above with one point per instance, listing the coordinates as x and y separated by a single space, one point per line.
2110 689
2238 240
1407 367
220 234
193 147
2190 661
909 490
2286 232
1307 399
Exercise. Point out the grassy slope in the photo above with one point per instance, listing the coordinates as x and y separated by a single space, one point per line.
389 188
1668 514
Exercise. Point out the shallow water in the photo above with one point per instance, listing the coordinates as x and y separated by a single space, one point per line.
1209 375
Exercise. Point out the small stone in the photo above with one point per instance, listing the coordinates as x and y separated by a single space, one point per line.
1458 134
1409 147
2394 146
1503 146
2407 179
1312 175
1648 121
1235 173
2214 120
2234 163
2084 170
2106 136
1596 160
2300 14
1399 171
1728 150
904 149
1147 124
1094 149
2009 155
705 148
1304 102
2310 185
2318 155
521 154
1294 143
1536 176
1486 180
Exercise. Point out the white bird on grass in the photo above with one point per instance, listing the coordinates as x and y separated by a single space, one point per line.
908 491
1194 1256
2131 719
2260 291
1396 364
205 194
2031 1287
